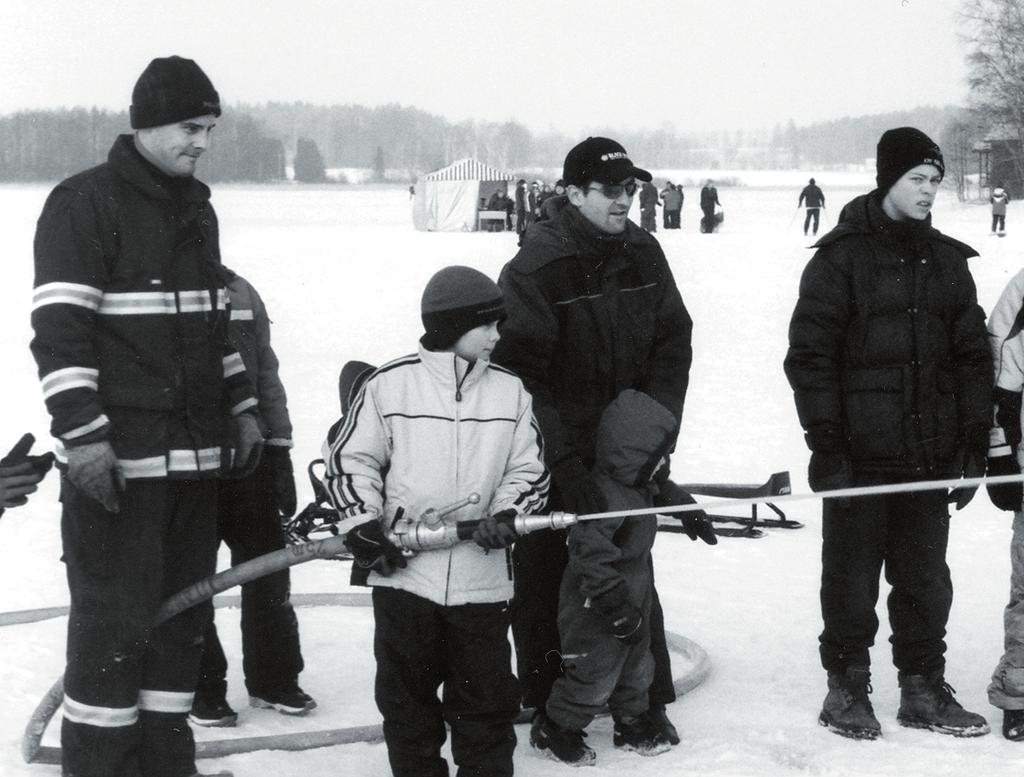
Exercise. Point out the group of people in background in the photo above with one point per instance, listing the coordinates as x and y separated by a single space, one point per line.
561 386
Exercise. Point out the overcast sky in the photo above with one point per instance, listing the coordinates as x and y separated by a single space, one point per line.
569 65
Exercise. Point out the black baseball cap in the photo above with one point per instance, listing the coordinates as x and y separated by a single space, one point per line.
601 160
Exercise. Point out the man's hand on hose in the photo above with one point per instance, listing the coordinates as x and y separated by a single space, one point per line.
967 463
576 488
374 551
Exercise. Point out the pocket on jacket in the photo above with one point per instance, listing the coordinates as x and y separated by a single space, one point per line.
874 409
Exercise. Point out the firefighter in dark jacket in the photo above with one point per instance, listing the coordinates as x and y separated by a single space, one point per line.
250 513
593 310
892 374
150 406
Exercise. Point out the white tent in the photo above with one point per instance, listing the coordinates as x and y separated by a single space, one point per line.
447 200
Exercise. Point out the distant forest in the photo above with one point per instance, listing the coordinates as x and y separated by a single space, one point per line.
397 143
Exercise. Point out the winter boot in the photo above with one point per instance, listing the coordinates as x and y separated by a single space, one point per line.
847 710
1013 725
926 701
216 712
287 701
560 744
659 719
640 735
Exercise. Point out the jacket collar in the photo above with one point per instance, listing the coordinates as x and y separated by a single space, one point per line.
134 168
452 371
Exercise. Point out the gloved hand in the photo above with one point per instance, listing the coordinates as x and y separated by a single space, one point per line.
249 445
695 523
19 480
576 488
1005 496
372 550
279 459
496 531
625 623
967 463
622 618
828 471
93 470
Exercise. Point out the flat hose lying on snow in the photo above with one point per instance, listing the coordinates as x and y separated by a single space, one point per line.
33 752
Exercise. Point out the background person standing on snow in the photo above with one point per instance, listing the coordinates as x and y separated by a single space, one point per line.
673 202
708 201
648 207
593 309
150 405
250 513
423 432
815 199
999 199
890 367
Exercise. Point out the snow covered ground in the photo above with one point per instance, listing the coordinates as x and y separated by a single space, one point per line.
341 270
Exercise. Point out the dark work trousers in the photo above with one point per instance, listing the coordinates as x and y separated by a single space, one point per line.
129 685
247 521
707 223
672 219
813 214
649 220
539 560
998 222
907 535
421 646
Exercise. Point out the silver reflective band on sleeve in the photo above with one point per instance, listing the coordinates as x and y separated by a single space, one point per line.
104 717
233 365
70 378
67 294
100 421
165 701
244 405
242 315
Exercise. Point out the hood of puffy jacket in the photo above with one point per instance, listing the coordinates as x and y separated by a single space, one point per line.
634 433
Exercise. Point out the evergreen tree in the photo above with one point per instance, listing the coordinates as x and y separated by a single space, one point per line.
309 165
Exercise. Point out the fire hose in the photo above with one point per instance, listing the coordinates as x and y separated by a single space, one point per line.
433 532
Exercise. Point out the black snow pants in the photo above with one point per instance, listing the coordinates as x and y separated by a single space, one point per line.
421 646
247 521
129 686
813 214
906 534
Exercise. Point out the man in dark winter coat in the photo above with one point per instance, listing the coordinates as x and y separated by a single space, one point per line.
815 200
150 406
648 207
672 197
593 310
890 366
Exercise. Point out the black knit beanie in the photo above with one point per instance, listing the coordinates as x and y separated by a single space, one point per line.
169 90
456 300
902 149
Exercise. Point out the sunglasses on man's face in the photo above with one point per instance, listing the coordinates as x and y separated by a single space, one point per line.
615 190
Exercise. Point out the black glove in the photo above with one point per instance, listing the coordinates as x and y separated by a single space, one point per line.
830 470
248 446
372 550
282 476
1005 496
695 523
622 618
625 623
968 463
496 531
576 488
